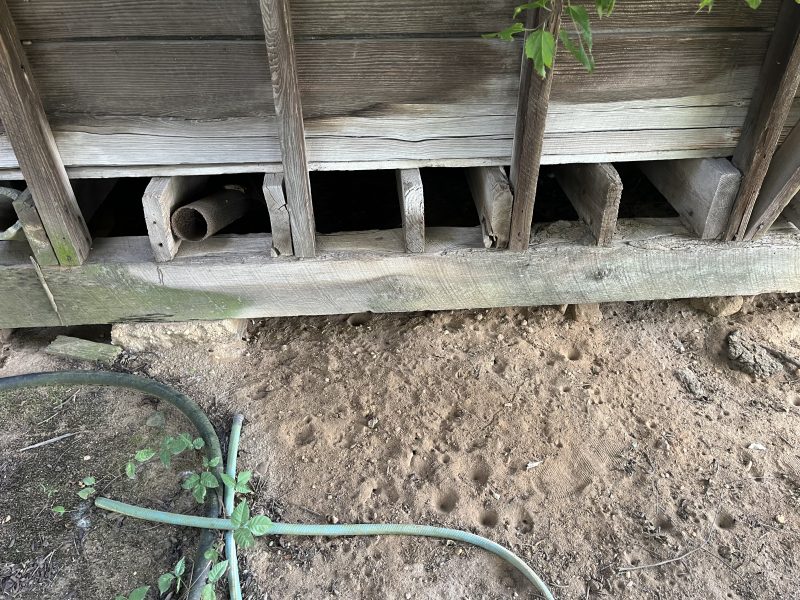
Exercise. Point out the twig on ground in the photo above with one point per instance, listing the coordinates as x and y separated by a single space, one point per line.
50 441
782 355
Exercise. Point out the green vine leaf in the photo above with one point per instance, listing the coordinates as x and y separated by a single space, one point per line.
259 525
244 538
217 571
240 515
165 582
144 455
208 592
540 47
506 34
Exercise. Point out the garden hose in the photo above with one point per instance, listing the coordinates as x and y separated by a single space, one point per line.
234 587
212 522
150 387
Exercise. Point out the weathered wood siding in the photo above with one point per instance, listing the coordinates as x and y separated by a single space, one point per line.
150 84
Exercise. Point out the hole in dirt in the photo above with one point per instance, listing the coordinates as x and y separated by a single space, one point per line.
725 521
447 502
489 518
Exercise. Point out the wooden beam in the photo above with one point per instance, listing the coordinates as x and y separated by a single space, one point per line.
491 192
595 191
412 208
161 197
781 184
230 277
792 212
291 131
280 224
34 230
26 126
766 117
702 190
532 105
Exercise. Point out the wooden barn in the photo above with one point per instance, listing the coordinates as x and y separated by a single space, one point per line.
202 160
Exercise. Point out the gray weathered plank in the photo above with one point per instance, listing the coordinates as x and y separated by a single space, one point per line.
26 126
412 208
73 348
161 197
532 105
34 230
280 224
67 19
769 110
595 191
701 190
230 277
792 211
781 185
289 111
494 201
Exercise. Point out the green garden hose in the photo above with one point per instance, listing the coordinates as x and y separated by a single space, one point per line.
234 587
212 522
150 387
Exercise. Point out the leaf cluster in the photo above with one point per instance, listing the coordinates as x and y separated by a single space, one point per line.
170 447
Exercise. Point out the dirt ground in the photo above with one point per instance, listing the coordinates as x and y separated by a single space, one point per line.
594 450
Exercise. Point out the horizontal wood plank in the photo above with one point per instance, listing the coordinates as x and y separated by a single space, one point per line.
70 19
231 277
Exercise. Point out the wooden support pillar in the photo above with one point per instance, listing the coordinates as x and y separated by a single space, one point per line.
34 231
769 108
289 112
278 214
792 212
534 98
26 126
412 208
161 197
781 185
702 190
491 192
595 191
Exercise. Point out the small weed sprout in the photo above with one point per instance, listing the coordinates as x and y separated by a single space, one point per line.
87 488
139 593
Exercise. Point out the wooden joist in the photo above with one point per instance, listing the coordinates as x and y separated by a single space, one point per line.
280 225
26 126
526 157
767 115
781 185
792 212
412 208
230 277
34 230
494 201
289 112
595 191
161 197
701 190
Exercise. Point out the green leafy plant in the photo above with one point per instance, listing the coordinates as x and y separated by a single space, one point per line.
214 575
58 510
541 44
87 488
170 447
239 484
248 528
174 577
139 593
201 482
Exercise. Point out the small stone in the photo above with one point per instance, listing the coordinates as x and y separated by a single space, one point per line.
532 465
780 520
262 468
757 446
718 306
584 313
332 519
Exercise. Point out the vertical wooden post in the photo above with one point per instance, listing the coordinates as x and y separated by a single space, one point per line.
279 222
595 191
494 202
289 111
412 208
25 122
534 97
161 197
775 92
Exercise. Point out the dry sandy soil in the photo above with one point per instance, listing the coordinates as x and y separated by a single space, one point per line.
594 450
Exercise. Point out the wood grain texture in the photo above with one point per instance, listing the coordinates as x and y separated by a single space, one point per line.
229 277
595 191
412 208
161 197
532 106
29 133
769 110
494 201
150 103
792 211
701 190
291 132
73 348
68 19
34 230
280 225
781 185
